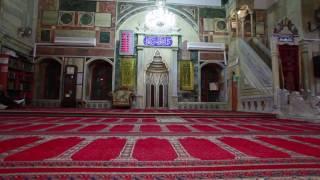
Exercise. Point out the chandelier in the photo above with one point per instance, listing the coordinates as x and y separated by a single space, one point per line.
160 19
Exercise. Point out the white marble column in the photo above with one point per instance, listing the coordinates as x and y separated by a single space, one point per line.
173 80
252 24
237 29
313 81
140 94
275 74
307 64
242 27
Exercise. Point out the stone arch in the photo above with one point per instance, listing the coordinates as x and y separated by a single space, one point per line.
219 81
106 79
40 59
99 58
48 83
177 12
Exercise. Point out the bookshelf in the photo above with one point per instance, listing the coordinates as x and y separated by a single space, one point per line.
16 76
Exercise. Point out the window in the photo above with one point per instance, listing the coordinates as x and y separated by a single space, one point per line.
104 37
45 35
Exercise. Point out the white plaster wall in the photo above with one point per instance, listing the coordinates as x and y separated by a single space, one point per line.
308 9
264 4
15 14
187 32
283 9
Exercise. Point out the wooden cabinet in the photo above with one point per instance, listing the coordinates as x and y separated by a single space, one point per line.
16 76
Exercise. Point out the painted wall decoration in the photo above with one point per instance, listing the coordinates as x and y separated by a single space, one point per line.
104 37
208 24
212 13
86 18
126 10
286 38
128 72
286 26
186 75
103 19
76 5
66 18
165 41
126 43
50 17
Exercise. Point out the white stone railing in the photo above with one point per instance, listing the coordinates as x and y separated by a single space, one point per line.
299 104
96 104
263 104
204 105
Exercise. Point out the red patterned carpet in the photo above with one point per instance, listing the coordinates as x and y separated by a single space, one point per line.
154 145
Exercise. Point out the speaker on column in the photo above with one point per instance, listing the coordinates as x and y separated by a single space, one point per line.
316 66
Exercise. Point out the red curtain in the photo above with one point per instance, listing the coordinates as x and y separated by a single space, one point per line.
289 57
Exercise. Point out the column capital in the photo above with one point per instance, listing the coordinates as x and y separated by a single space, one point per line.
175 49
139 48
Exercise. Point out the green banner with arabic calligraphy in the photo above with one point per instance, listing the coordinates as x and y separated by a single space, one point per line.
186 75
128 72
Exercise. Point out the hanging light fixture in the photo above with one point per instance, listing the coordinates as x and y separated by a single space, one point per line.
160 19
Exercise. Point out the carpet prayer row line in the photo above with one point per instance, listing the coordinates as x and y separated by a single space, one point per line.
158 149
145 128
164 125
144 120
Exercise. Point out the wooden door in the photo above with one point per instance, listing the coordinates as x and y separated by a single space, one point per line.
69 88
234 94
289 56
210 77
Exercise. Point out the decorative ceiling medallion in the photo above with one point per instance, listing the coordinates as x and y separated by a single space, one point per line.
160 19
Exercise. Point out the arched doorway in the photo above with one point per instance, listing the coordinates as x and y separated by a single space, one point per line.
99 80
211 83
290 69
157 80
286 45
49 82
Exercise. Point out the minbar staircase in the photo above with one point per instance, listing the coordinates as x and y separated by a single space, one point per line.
256 93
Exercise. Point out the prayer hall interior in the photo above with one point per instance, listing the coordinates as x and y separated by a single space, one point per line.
160 89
